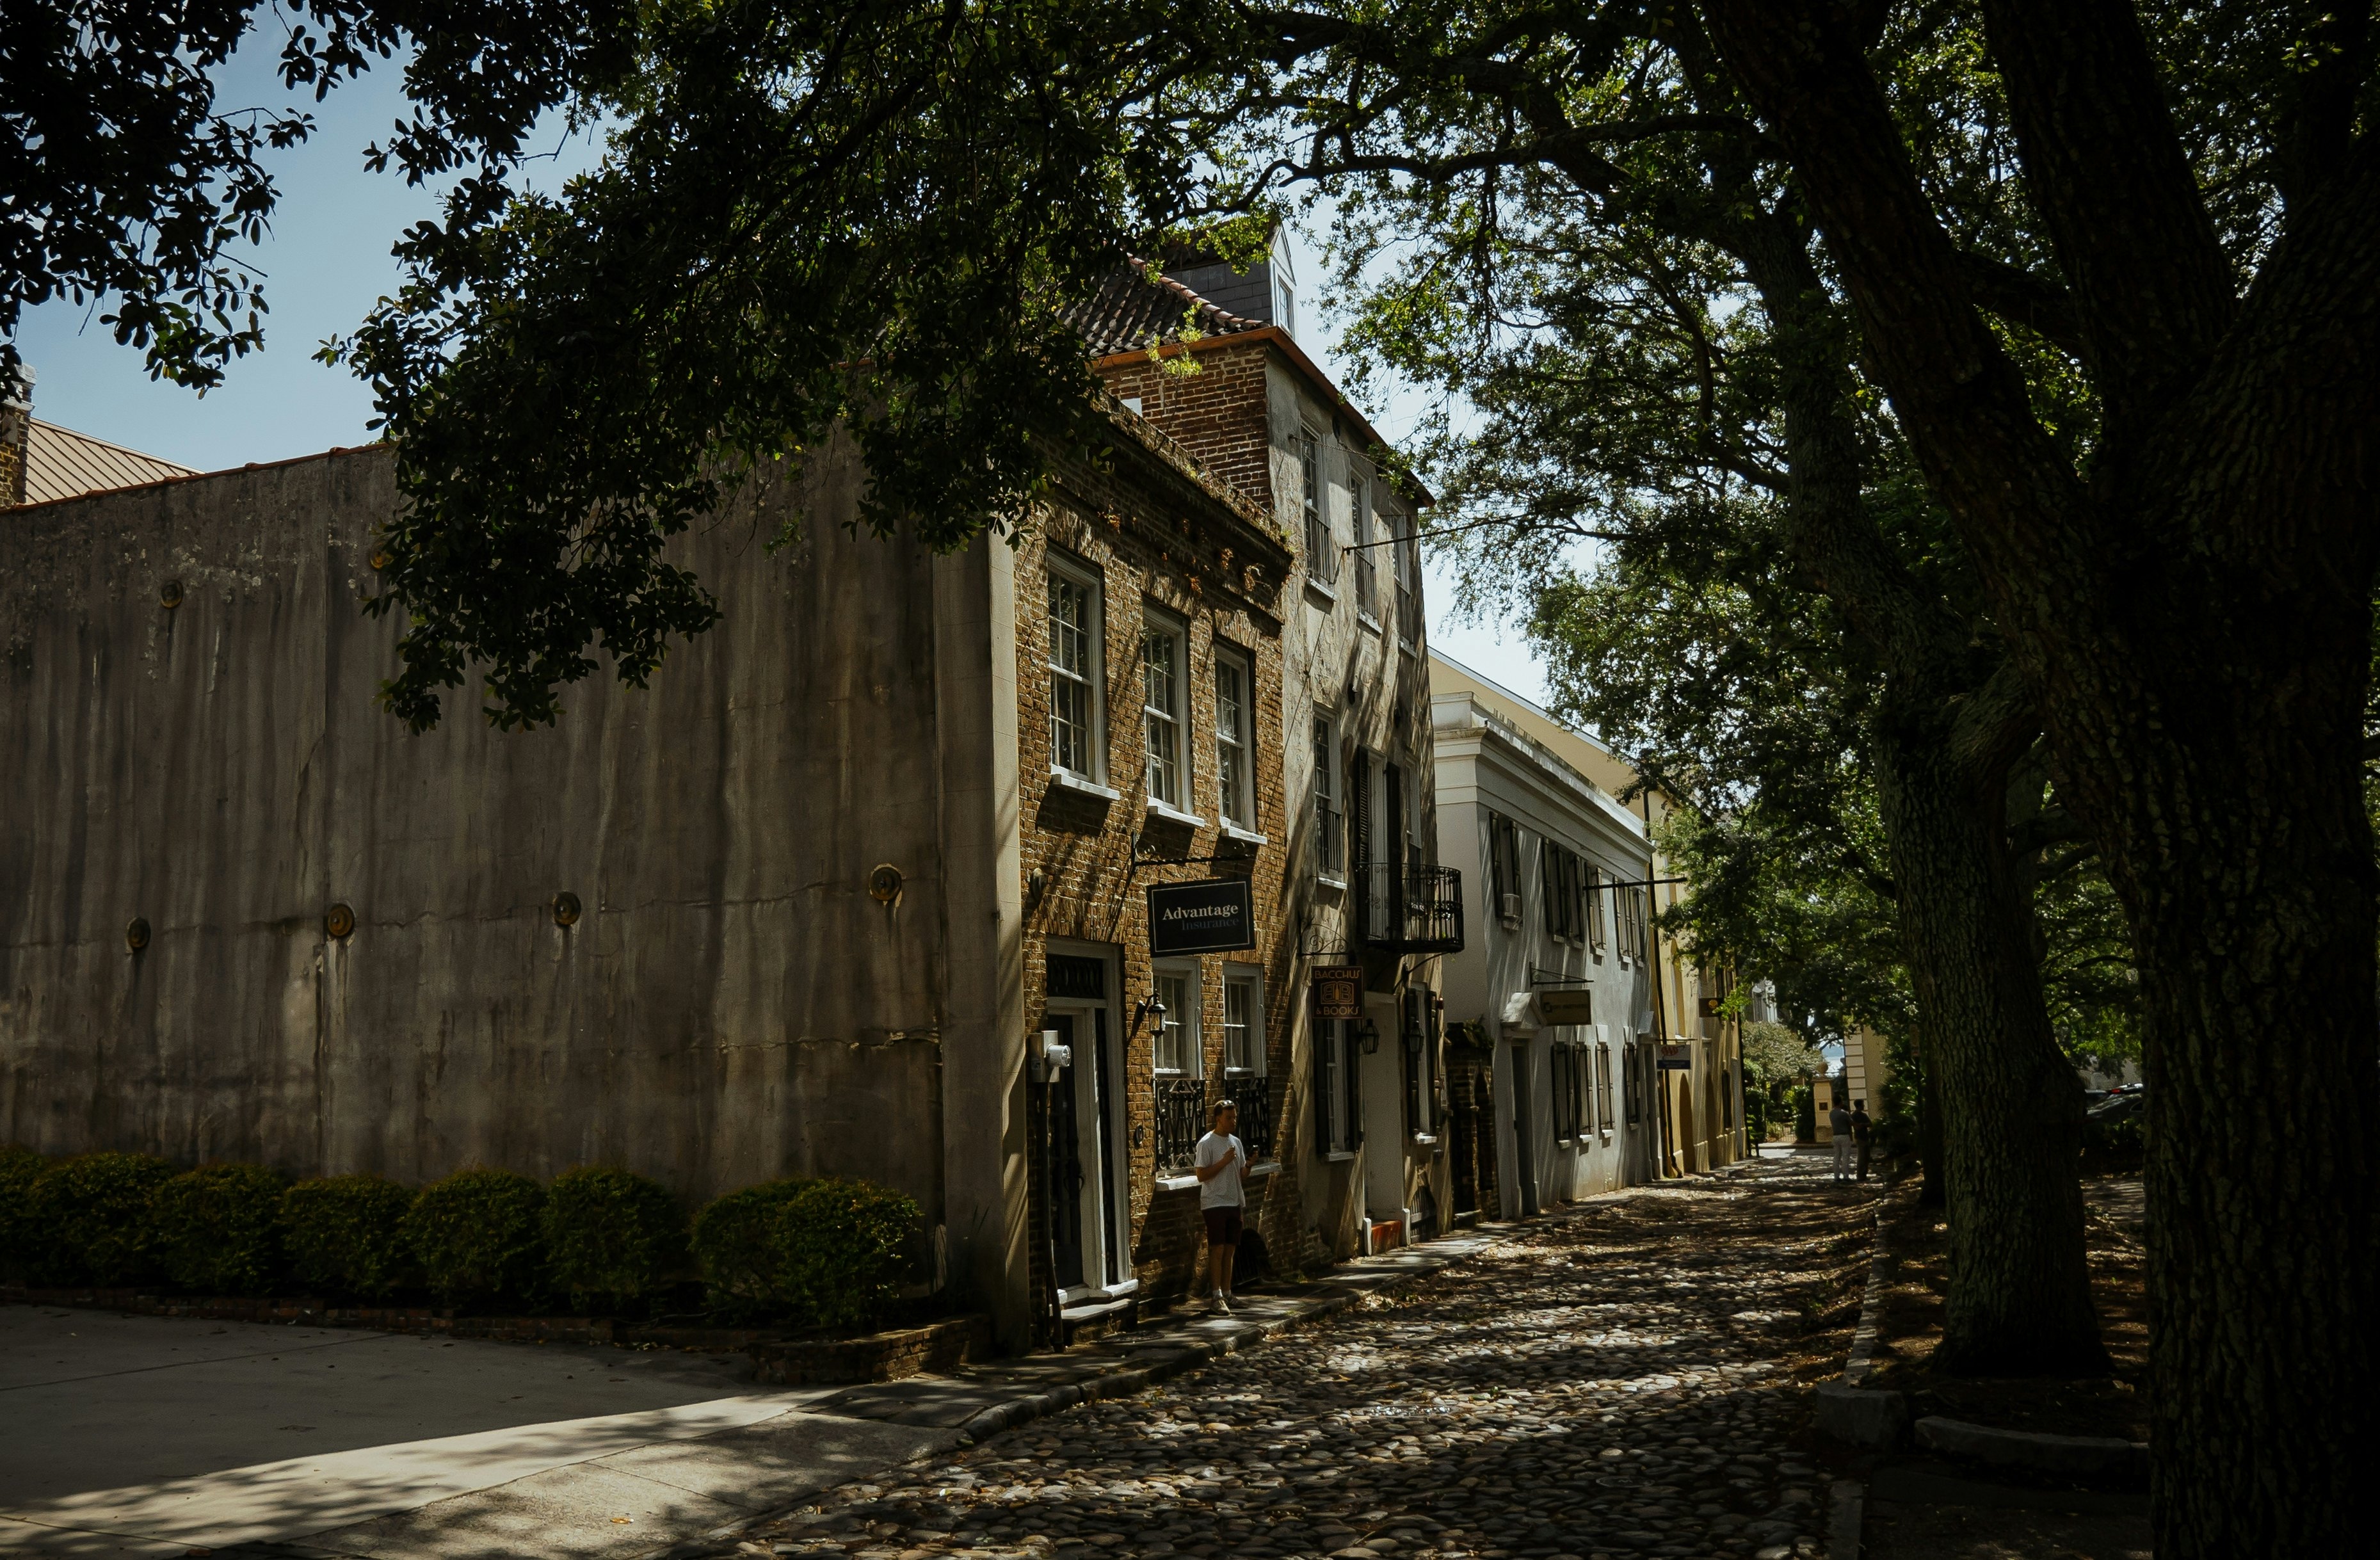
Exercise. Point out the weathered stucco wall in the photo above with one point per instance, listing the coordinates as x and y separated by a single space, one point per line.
731 1005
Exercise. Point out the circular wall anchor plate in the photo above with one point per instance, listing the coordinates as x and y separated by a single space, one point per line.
338 920
136 934
170 593
565 908
885 884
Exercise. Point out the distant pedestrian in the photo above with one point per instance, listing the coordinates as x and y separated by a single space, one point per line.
1862 1134
1220 1160
1839 1121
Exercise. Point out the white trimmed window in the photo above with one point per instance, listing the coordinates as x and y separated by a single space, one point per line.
1236 743
1161 667
1321 551
1359 512
1075 741
1329 828
1243 1036
1177 1039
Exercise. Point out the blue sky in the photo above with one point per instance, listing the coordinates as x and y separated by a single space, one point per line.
325 262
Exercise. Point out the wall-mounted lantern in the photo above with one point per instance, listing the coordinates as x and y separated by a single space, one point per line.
1370 1035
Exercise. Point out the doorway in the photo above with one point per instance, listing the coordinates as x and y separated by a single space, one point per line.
1524 1154
1083 1172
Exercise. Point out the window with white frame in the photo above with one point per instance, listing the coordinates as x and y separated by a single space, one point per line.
1074 743
1244 1037
1359 514
1236 743
1337 1087
1408 570
1177 1049
1329 829
1321 552
1161 669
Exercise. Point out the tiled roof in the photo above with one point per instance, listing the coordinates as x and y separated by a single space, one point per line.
1135 306
61 463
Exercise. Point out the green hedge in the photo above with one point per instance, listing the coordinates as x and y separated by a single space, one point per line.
478 1235
612 1234
344 1234
91 1221
814 1252
842 1247
19 1167
217 1228
735 1245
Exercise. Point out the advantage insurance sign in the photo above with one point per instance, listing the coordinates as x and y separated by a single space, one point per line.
1213 917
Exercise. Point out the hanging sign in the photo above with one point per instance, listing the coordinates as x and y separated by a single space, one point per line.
1212 917
1567 1005
1338 991
1674 1058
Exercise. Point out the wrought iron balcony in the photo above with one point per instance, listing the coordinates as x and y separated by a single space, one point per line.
1409 909
1180 1120
1253 1095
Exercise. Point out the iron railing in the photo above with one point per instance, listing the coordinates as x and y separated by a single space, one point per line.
1180 1120
1411 909
1253 1095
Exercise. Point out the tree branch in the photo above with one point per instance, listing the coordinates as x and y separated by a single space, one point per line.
2108 172
2023 298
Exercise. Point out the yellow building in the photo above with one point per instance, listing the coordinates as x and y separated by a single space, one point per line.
1697 1048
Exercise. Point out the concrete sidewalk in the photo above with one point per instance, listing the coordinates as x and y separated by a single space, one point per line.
138 1436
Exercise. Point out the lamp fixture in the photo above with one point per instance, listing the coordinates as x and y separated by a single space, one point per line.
1370 1035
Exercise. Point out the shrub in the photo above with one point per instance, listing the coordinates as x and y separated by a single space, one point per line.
842 1246
612 1232
344 1234
91 1221
734 1244
478 1234
218 1228
19 1167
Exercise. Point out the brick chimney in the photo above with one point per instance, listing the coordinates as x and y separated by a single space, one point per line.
15 433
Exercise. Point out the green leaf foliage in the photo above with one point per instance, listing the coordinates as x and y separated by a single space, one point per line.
218 1228
611 1233
19 1167
842 1248
480 1235
735 1245
344 1234
93 1219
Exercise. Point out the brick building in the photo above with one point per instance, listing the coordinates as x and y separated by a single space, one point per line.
1210 357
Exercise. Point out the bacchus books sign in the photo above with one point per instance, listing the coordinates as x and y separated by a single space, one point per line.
1212 917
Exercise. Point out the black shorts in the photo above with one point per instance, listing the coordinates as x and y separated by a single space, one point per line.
1223 1225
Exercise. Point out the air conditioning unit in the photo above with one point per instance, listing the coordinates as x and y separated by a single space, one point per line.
1512 907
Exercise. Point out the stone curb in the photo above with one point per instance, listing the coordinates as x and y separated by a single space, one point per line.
2069 1455
1845 1519
1848 1410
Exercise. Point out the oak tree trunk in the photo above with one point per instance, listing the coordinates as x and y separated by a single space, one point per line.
2010 1103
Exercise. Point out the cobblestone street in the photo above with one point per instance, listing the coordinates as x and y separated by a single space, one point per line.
1617 1380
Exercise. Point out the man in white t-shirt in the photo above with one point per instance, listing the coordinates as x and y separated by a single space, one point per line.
1220 1160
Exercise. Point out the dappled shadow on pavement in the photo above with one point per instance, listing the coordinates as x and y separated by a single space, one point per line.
1617 1379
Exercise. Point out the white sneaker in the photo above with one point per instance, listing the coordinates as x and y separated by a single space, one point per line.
1222 1302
